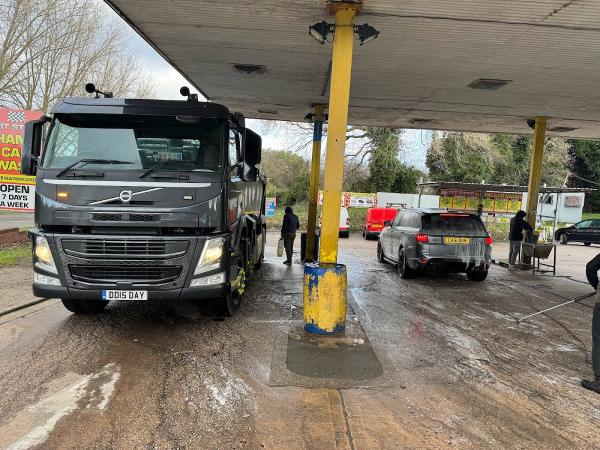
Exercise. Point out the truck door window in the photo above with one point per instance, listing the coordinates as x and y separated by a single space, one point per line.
234 148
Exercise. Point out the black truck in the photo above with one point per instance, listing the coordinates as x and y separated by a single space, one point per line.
144 200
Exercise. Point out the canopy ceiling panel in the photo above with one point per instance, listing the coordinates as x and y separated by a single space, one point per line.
415 75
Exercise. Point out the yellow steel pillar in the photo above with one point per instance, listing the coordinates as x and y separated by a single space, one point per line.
325 283
339 97
314 183
535 169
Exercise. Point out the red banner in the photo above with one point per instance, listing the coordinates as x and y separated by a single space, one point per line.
12 122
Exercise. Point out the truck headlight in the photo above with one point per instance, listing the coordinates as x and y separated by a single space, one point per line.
43 256
211 255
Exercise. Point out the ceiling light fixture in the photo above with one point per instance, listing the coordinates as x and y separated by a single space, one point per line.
488 84
366 33
320 30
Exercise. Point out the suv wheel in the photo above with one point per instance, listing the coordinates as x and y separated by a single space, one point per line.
477 275
380 255
403 268
84 306
563 239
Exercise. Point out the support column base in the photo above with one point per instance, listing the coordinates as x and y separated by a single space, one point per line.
325 298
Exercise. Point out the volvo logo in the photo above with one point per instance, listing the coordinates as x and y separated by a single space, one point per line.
125 196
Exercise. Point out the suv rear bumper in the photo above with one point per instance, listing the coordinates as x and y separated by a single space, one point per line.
199 293
451 265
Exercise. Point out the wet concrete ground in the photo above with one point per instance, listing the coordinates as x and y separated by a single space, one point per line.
456 370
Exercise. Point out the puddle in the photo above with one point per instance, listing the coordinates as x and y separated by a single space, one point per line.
32 425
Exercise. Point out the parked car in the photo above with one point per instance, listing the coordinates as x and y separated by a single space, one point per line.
586 231
344 223
436 240
375 220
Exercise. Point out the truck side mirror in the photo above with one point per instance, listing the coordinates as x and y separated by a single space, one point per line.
252 155
32 145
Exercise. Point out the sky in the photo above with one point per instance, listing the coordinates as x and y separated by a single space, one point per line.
167 82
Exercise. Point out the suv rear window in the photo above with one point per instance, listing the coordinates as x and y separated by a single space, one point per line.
443 223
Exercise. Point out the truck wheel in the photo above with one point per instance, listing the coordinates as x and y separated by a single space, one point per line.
477 275
84 306
229 304
258 263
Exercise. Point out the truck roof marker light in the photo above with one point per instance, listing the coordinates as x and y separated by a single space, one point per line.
422 238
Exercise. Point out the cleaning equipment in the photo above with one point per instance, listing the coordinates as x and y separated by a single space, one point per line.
578 299
280 247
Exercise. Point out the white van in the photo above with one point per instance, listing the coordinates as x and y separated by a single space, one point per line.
344 223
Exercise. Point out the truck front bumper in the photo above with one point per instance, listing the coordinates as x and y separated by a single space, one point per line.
196 293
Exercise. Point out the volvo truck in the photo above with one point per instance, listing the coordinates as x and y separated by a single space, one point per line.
144 200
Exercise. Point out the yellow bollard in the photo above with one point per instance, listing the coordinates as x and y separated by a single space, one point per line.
325 298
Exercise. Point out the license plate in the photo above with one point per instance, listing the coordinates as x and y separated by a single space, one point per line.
125 295
456 240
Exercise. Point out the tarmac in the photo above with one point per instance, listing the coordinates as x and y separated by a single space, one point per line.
433 362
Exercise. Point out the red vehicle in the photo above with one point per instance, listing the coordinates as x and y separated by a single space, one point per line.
375 219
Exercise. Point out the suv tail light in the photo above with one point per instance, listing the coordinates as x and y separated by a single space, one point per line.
489 240
423 238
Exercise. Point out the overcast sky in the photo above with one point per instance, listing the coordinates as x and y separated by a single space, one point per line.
168 81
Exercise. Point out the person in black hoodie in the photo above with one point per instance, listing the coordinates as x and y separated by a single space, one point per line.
591 271
290 225
517 225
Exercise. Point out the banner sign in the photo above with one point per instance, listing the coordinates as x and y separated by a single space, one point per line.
17 192
270 203
492 202
353 199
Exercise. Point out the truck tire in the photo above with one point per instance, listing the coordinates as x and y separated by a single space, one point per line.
84 306
230 303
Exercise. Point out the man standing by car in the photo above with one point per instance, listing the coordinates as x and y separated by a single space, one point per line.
591 271
290 225
517 225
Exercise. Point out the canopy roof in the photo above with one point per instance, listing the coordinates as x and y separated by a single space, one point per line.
417 74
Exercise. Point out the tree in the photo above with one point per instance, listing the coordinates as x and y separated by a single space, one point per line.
585 167
57 47
288 174
500 158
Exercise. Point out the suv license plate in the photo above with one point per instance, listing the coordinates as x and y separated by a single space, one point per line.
456 240
125 295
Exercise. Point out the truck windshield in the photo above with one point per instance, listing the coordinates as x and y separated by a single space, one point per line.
140 141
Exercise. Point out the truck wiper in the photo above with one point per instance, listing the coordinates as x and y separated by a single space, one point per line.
91 161
162 163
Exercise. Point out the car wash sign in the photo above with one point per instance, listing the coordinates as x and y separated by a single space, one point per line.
17 192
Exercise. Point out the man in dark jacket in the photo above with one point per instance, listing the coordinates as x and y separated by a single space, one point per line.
591 270
517 225
288 232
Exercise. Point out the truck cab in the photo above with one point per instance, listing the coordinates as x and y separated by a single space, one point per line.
143 200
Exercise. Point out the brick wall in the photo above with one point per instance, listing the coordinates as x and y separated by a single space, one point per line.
13 236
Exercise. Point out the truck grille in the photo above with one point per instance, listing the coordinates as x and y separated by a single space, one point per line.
112 274
125 248
118 217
